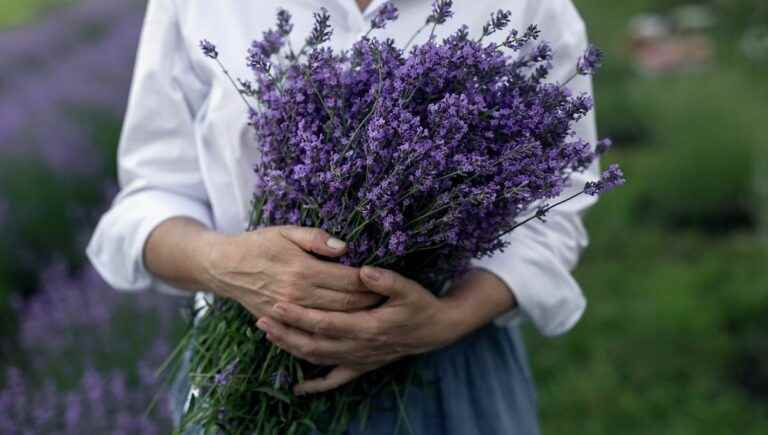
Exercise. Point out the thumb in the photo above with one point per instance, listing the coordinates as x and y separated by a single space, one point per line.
388 283
314 240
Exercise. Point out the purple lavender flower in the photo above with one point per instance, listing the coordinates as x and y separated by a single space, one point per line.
209 49
258 62
515 41
499 21
321 29
441 12
591 61
269 45
284 23
603 146
224 376
542 53
386 13
610 179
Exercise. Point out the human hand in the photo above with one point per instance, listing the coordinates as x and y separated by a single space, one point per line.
412 321
275 264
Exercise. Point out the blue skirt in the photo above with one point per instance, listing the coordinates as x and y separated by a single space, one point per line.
481 385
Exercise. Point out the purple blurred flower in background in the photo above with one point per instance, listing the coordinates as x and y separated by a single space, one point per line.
87 367
72 319
90 48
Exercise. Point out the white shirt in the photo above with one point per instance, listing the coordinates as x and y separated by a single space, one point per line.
185 149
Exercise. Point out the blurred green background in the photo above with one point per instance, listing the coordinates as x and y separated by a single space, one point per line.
675 339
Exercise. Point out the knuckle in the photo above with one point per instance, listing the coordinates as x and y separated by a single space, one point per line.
321 326
293 295
315 235
349 302
370 334
351 282
298 274
377 333
312 236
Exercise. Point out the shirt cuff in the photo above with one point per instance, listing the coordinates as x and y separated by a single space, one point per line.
116 248
545 291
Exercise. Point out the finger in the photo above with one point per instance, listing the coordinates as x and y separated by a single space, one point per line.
314 240
334 276
325 323
317 350
332 300
388 283
336 378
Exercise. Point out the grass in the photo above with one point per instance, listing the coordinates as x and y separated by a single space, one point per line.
17 12
676 282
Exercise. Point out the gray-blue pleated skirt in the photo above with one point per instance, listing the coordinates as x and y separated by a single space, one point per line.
481 385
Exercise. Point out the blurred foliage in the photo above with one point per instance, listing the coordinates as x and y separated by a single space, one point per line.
49 216
16 12
700 172
675 339
738 13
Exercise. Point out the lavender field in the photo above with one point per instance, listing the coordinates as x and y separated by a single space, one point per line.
75 356
674 340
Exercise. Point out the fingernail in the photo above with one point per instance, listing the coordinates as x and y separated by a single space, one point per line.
372 273
262 324
280 309
335 244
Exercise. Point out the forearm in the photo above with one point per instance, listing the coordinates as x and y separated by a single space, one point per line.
475 300
177 252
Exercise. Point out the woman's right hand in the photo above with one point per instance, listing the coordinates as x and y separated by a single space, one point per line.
275 264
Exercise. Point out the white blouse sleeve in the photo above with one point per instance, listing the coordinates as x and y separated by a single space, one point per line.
537 264
158 167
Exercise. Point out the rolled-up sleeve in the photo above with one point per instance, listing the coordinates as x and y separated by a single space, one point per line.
158 168
537 264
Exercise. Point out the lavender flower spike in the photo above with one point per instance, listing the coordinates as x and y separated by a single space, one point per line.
321 31
610 179
387 13
499 20
209 49
284 24
603 146
223 377
591 61
441 11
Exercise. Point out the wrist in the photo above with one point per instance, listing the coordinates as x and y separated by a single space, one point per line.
474 301
453 322
210 253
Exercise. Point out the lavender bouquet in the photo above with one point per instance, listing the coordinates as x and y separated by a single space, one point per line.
421 158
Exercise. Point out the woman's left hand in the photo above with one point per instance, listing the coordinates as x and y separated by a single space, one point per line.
412 321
